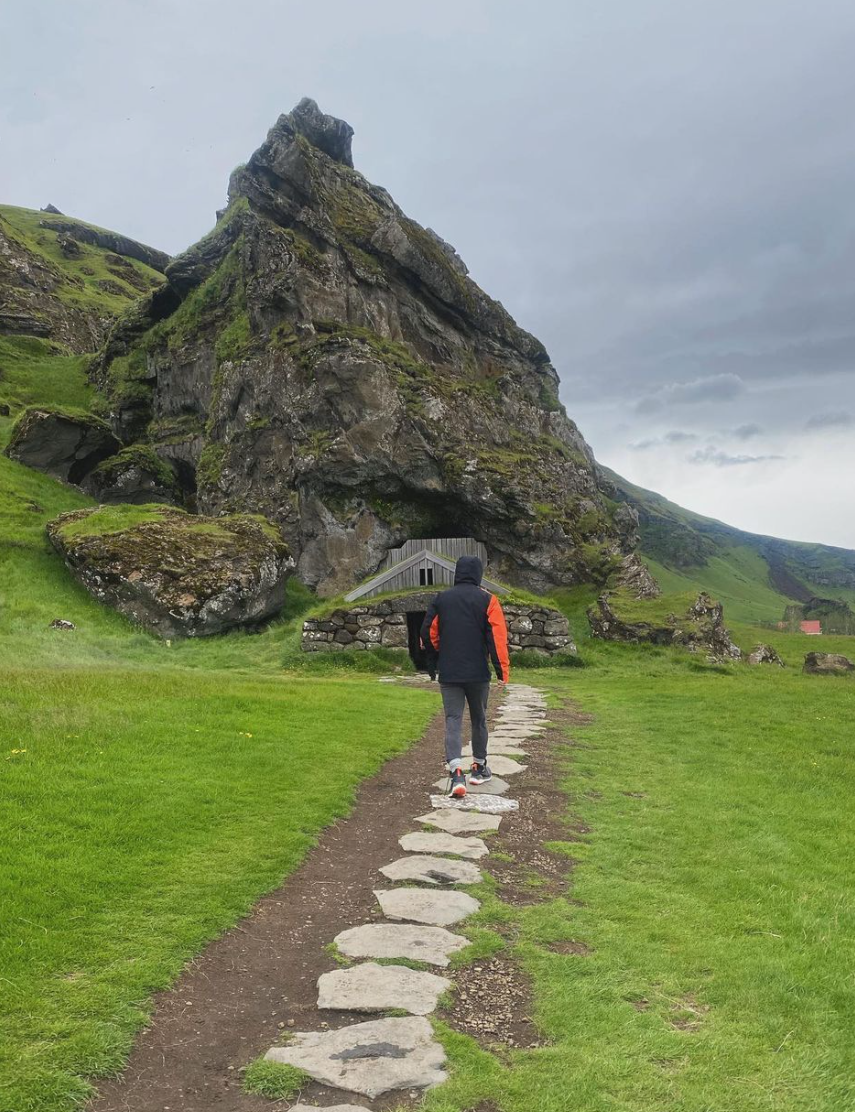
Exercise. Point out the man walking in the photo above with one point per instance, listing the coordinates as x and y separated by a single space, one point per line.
465 625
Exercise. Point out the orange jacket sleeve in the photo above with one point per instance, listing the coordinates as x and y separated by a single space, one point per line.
499 631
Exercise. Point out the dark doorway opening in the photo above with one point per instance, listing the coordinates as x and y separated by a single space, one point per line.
414 627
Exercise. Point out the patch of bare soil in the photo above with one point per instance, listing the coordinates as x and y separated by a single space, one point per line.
493 1003
531 873
571 946
687 1014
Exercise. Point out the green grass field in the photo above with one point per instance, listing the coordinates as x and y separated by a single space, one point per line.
716 891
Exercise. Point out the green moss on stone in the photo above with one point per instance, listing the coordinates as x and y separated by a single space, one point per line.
236 339
211 462
142 456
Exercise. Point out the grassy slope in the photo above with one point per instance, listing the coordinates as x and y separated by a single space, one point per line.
149 793
81 288
731 563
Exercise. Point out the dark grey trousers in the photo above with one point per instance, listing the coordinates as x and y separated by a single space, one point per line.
455 696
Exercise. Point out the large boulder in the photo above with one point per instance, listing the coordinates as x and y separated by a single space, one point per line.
175 573
64 444
827 664
700 629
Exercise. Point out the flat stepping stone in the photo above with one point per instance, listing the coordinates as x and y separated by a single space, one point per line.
470 848
376 988
504 766
369 1058
498 748
496 786
486 804
432 870
400 940
421 905
330 1107
460 822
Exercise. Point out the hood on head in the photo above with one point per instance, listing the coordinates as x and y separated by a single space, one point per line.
469 569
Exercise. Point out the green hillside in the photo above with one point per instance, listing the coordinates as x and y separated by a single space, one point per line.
756 577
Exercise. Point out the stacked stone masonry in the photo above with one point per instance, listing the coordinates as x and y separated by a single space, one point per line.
530 627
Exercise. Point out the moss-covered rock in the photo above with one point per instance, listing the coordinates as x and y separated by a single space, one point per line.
135 475
67 444
175 573
619 616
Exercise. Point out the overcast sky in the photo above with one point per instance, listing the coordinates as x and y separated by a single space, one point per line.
662 190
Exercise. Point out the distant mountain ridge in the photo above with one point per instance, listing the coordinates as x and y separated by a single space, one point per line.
686 543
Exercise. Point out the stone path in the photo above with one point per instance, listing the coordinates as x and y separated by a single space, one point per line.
417 842
395 1053
433 870
420 905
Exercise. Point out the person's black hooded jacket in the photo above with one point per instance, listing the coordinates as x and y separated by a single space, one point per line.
465 625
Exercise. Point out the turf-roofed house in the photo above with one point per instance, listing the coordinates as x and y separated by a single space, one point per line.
388 608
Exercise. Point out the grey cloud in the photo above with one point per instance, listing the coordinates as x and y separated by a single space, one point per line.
711 388
830 421
675 436
745 432
719 458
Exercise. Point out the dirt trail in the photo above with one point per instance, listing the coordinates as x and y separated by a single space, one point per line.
260 978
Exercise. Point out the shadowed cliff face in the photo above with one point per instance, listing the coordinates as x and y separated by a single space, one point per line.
323 360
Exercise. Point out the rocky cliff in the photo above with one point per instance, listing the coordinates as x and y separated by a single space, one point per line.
322 359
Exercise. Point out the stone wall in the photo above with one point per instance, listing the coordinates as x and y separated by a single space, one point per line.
385 623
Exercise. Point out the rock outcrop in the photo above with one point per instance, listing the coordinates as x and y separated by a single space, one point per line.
827 664
74 231
63 444
135 475
764 654
700 629
175 573
324 360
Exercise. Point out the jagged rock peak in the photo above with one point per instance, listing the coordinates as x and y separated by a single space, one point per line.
327 133
325 360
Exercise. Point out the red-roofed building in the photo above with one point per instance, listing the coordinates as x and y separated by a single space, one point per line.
812 628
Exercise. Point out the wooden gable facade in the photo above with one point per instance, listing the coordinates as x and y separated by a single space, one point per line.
418 565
